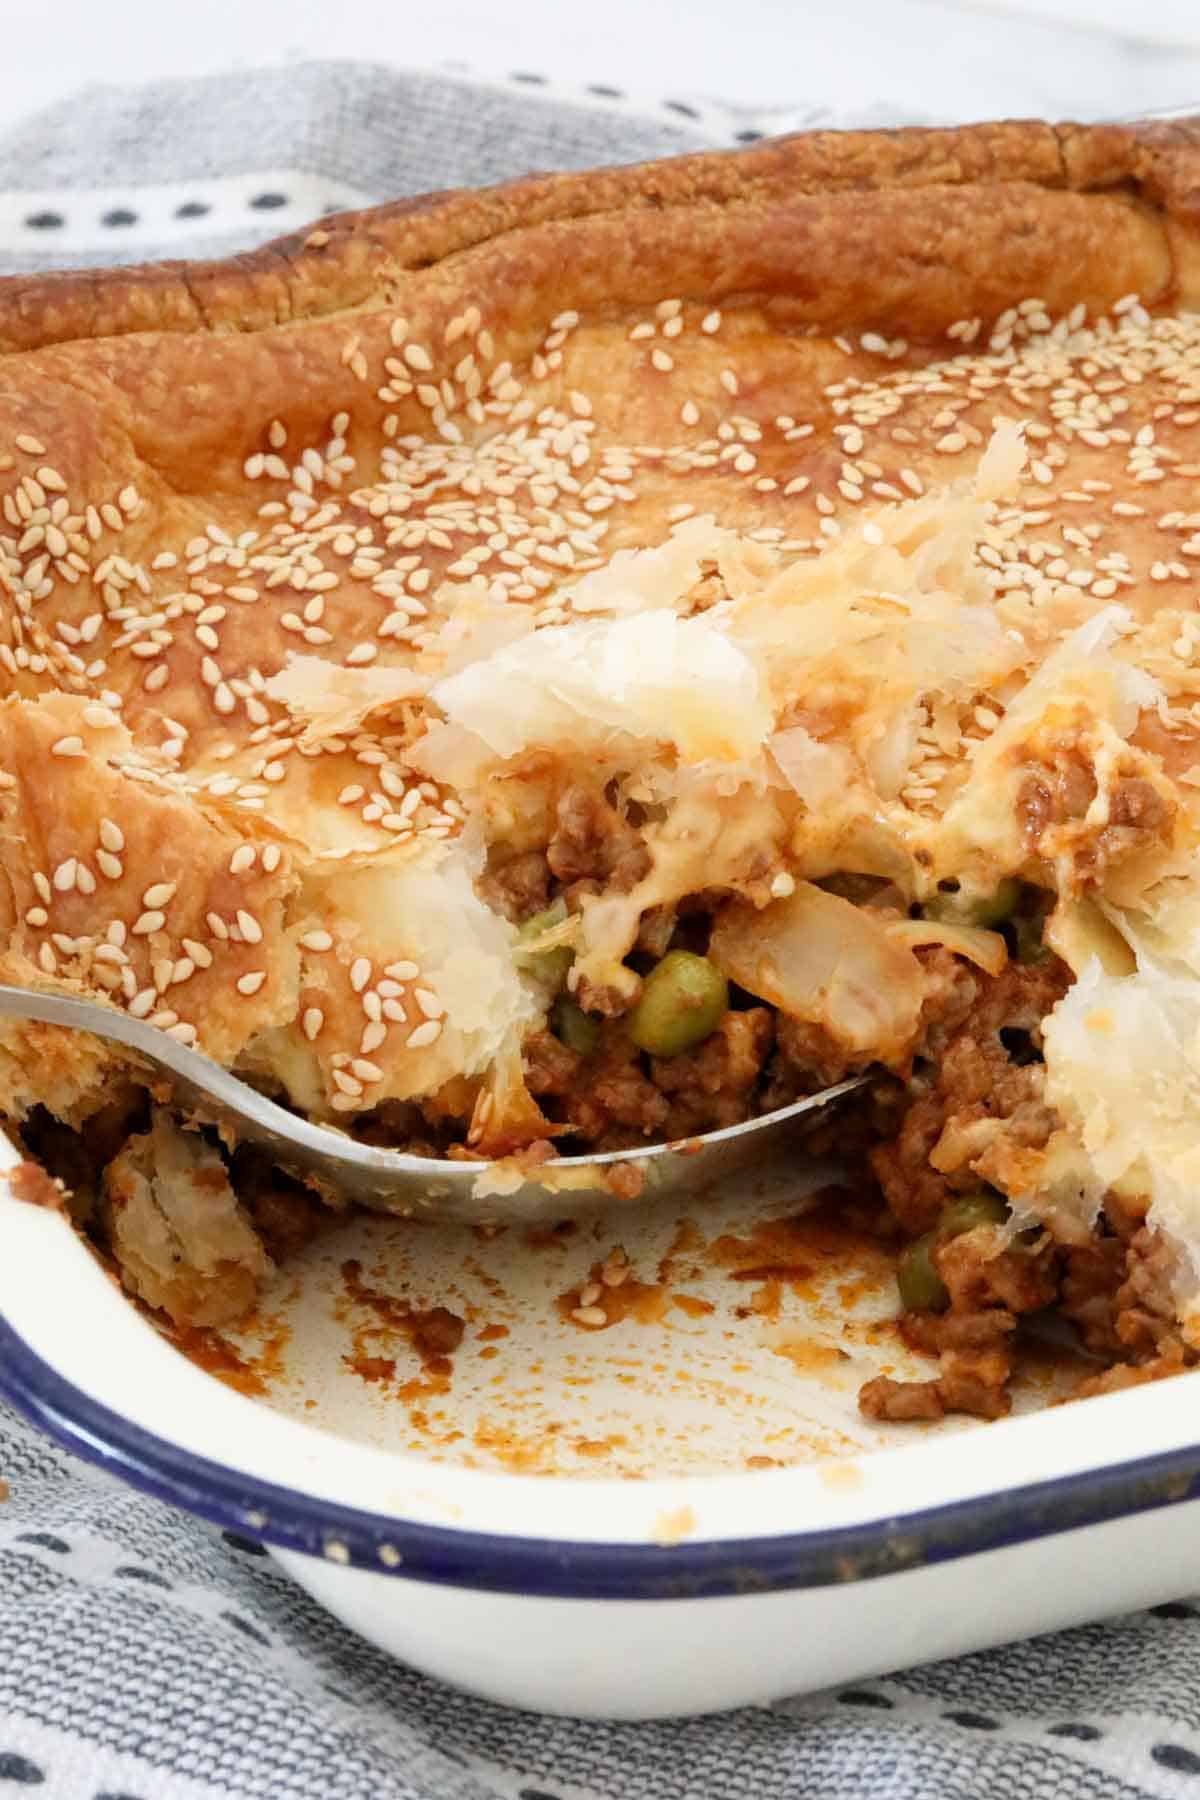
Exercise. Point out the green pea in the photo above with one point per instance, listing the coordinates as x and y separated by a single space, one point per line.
683 1000
537 924
573 1027
551 965
979 909
969 1211
921 1287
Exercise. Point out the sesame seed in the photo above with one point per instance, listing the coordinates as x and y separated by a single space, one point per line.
68 746
589 1315
160 894
317 941
251 982
425 1034
360 973
249 927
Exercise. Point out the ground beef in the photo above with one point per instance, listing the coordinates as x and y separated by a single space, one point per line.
809 1058
713 1085
974 1087
900 1402
607 1096
286 1216
953 987
551 1068
1144 1303
981 1100
517 886
1092 1274
1052 793
592 842
976 1360
1060 793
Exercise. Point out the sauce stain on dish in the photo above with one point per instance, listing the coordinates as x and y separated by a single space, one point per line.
434 1332
253 1373
594 1305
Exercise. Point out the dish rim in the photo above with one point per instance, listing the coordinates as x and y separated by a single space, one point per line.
289 1518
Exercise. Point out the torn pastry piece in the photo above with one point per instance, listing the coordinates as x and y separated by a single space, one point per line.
181 1239
564 667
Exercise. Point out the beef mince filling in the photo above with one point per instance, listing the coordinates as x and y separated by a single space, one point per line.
936 1143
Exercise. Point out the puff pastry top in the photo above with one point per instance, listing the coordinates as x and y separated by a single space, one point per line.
250 511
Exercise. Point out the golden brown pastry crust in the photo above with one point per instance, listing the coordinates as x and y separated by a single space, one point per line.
516 383
1060 192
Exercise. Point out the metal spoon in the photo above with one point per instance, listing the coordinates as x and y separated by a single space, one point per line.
426 1186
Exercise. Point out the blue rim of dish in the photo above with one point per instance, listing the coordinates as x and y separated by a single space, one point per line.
570 1569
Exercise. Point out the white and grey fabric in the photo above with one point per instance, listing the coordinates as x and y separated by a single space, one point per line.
147 1656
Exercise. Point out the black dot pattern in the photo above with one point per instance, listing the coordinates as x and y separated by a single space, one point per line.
864 1697
1177 1758
1075 1729
45 221
20 1769
193 209
246 1629
247 1546
129 1572
44 1541
268 202
972 1721
119 216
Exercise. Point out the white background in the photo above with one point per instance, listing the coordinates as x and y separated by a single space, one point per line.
939 58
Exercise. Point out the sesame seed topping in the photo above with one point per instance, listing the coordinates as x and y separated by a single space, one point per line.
251 982
425 1034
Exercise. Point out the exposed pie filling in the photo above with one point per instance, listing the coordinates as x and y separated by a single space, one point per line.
493 725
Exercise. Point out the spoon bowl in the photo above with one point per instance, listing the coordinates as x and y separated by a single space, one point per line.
463 1191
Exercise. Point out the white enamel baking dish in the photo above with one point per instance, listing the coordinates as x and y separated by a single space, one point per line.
674 1593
